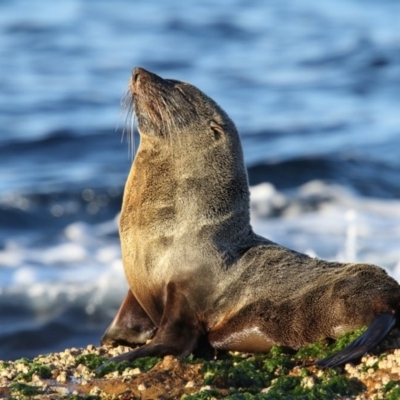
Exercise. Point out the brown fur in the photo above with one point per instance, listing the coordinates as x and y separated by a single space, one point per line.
185 228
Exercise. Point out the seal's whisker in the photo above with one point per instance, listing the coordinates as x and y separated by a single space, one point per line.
130 131
132 136
125 107
127 129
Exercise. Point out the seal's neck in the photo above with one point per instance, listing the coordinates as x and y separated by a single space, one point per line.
180 193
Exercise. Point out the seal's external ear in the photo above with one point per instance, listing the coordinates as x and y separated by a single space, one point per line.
217 130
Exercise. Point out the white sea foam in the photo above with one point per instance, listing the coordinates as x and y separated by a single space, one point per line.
84 266
331 222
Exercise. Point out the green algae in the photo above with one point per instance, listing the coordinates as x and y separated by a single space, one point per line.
144 364
326 387
392 390
332 385
25 390
375 365
266 376
203 395
112 367
92 361
288 387
256 371
278 360
322 349
23 360
35 368
229 373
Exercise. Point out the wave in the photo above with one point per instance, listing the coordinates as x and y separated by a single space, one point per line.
367 177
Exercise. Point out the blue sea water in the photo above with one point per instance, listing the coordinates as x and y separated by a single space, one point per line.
313 86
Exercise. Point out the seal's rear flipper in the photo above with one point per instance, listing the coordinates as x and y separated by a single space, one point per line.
380 327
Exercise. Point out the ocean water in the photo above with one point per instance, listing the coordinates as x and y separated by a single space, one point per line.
312 86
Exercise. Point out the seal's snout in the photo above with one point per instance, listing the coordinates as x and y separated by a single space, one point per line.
140 76
137 76
139 73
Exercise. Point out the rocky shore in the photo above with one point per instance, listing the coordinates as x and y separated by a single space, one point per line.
281 374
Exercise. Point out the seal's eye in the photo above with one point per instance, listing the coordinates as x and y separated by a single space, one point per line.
217 130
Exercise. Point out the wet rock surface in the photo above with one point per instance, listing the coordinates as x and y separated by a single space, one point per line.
71 374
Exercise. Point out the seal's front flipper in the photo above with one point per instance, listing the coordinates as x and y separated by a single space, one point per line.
380 327
177 335
130 326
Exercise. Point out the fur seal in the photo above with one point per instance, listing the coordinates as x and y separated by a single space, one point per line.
195 267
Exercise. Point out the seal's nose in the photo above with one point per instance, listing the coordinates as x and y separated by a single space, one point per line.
136 72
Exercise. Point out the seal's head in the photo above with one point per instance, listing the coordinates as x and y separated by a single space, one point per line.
169 107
